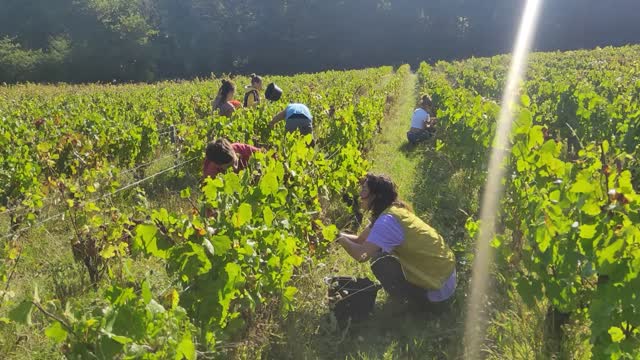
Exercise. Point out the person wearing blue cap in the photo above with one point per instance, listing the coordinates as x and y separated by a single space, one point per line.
297 117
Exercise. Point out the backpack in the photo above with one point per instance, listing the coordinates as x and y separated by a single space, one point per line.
256 97
351 299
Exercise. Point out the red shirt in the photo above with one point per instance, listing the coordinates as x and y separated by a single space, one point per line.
244 152
236 104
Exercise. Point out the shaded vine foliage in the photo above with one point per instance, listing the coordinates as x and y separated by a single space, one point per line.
145 40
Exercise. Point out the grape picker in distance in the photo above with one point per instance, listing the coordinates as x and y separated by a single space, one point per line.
422 125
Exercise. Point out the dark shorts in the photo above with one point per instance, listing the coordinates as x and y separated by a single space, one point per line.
415 137
389 273
301 124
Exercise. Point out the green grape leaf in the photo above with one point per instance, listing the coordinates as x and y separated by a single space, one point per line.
536 137
185 193
121 339
22 313
624 182
210 189
268 216
190 259
289 293
56 332
109 348
221 244
591 208
186 350
609 254
588 231
243 215
146 292
582 186
617 335
234 276
108 252
269 183
146 239
542 238
524 122
232 183
330 232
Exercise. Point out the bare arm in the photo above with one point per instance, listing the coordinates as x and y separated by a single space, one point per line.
359 239
279 117
360 252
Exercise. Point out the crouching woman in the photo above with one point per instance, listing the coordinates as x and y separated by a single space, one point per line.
409 258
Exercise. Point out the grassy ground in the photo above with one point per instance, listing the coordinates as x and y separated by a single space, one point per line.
392 332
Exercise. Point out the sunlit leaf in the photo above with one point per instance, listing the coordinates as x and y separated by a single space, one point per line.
242 216
56 332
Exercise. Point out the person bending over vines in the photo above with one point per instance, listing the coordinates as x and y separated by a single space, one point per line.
220 155
296 117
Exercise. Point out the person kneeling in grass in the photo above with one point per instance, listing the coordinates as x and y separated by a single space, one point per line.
422 125
409 258
222 155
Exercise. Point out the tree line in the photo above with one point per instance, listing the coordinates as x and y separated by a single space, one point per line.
148 40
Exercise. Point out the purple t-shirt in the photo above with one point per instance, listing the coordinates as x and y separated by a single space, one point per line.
387 234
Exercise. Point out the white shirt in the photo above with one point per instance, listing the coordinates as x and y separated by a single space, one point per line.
420 116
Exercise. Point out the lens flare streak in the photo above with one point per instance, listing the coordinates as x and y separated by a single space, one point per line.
475 324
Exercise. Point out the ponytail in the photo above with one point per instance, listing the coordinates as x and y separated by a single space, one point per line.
226 87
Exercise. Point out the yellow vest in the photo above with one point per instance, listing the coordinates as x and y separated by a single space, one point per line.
426 259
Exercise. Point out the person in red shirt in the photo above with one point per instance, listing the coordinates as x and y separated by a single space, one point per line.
222 155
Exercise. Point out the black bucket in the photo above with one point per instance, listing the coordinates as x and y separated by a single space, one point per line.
273 92
351 298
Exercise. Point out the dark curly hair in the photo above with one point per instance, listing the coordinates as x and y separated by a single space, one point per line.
220 152
384 192
425 100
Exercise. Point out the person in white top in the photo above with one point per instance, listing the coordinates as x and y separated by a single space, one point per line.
422 125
